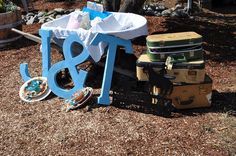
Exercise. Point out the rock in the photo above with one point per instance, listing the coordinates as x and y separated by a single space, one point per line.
178 6
50 12
145 7
174 14
36 19
166 12
30 21
152 6
150 13
69 11
158 14
58 16
162 7
42 20
30 14
59 10
47 20
41 13
149 9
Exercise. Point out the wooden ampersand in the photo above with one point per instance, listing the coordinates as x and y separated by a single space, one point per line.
70 63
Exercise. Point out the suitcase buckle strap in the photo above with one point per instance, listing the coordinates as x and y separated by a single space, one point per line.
170 60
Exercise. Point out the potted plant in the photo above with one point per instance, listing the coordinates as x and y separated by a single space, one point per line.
6 6
10 17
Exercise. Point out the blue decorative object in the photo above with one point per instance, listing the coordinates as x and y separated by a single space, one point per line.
35 89
46 56
70 62
34 86
112 42
93 14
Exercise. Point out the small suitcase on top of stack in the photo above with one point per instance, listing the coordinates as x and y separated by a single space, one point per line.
186 45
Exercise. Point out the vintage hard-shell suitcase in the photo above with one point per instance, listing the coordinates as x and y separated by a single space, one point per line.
185 44
188 72
189 54
186 96
174 40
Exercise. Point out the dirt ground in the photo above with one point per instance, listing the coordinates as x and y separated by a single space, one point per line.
130 126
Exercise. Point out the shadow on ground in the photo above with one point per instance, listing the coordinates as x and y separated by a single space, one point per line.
20 43
128 94
218 33
141 102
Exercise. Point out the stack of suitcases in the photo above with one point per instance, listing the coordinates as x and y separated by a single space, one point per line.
181 55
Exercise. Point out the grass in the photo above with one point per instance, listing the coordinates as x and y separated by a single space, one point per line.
227 133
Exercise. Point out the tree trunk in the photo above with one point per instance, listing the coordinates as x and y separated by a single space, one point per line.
111 5
133 6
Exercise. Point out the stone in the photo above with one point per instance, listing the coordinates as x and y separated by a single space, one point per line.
178 6
42 20
36 19
71 10
161 7
58 16
41 13
152 6
59 10
30 14
149 9
145 7
174 14
30 21
158 14
166 12
47 20
50 12
150 13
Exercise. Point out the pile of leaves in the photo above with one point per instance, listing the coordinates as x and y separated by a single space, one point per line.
6 6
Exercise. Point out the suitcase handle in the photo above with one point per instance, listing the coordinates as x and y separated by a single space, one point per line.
187 102
176 58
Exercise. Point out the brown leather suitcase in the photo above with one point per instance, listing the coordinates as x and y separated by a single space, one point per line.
186 96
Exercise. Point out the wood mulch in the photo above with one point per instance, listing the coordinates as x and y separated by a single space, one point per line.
129 126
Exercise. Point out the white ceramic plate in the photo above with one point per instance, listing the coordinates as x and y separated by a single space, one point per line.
37 98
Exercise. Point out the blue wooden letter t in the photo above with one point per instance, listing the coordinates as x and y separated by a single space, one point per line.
113 42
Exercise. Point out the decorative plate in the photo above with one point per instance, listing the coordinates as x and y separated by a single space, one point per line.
35 89
79 98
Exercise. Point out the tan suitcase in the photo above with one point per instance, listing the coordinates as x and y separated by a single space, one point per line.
173 40
188 72
188 45
188 96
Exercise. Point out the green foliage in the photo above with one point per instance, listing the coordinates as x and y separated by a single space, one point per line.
2 6
10 6
6 5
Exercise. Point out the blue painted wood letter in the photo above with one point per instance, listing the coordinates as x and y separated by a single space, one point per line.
46 56
112 42
70 62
